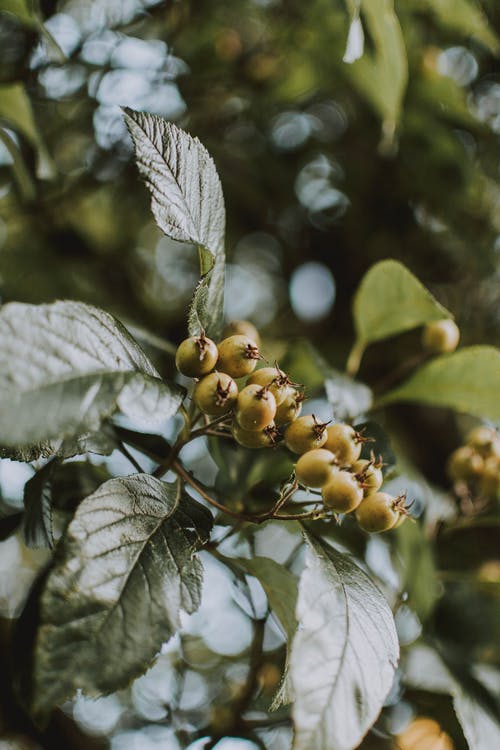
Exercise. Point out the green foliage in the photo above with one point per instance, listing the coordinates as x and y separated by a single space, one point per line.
127 558
80 384
187 204
344 653
467 380
292 119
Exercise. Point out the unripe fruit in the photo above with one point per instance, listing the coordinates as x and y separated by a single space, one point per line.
275 379
378 512
243 328
216 394
485 440
315 468
290 407
304 434
345 442
196 356
489 480
424 734
342 493
265 438
464 464
369 475
255 408
441 336
238 356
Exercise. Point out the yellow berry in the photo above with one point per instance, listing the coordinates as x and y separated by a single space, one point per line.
304 434
275 379
315 468
255 408
238 356
345 442
342 492
441 336
216 394
196 356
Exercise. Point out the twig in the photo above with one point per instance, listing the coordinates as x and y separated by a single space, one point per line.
129 457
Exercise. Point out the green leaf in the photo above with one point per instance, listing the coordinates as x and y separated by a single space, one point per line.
280 587
37 524
382 76
465 17
17 113
66 367
390 300
467 380
187 204
22 10
344 653
125 570
417 569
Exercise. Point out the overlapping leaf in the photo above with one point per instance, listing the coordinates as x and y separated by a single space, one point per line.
344 653
123 573
64 368
187 203
467 380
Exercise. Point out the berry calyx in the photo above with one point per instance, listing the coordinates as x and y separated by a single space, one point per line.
275 379
345 442
305 433
441 336
238 356
369 475
290 407
342 493
216 394
380 511
266 438
243 328
255 408
315 468
196 356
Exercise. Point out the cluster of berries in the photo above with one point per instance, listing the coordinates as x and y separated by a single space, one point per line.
267 410
349 483
477 463
267 401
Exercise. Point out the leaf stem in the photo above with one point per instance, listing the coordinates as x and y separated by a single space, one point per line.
354 358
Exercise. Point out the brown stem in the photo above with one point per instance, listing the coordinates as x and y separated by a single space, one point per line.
186 476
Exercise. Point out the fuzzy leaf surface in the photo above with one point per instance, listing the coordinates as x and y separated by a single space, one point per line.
344 654
187 204
123 573
64 368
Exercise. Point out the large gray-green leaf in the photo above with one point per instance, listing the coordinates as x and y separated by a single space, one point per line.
467 380
390 300
344 653
187 203
125 570
67 366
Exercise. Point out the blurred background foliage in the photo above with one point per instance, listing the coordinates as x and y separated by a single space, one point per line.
343 132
